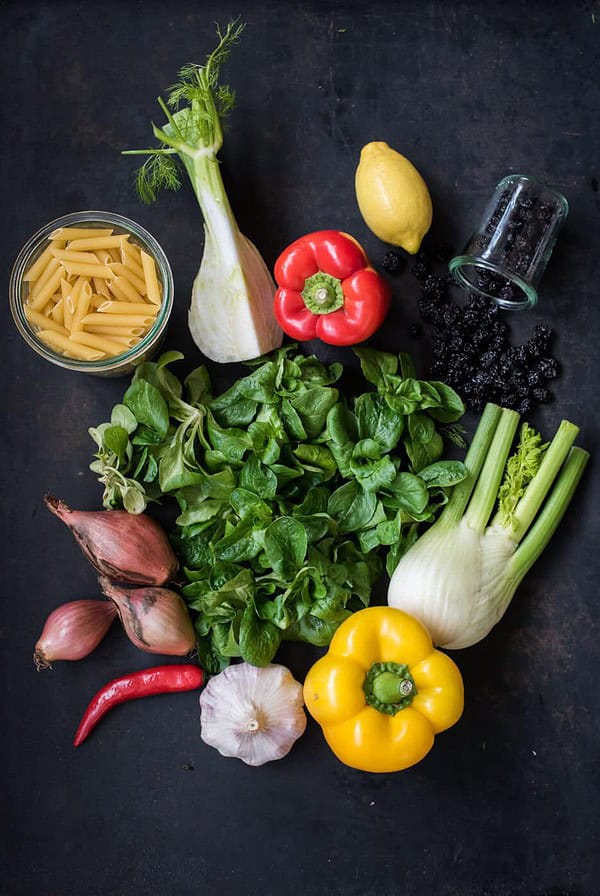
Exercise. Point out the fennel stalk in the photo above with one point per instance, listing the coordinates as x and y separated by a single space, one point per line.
231 313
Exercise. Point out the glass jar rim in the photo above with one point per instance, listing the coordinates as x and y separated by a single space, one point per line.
459 262
129 356
560 197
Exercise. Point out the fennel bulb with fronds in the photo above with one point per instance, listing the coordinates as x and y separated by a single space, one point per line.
231 314
461 575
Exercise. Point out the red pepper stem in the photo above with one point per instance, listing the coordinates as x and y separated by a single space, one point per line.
323 293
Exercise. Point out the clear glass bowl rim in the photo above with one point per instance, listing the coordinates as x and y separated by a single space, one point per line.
23 261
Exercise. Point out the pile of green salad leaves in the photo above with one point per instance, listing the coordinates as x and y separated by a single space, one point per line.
291 495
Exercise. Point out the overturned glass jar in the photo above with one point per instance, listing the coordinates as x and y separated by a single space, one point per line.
505 258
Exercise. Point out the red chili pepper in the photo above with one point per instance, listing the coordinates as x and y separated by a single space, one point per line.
327 290
145 683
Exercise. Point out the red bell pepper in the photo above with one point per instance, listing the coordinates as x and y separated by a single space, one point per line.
328 291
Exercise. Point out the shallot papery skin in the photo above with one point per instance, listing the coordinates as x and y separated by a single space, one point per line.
155 619
73 631
126 547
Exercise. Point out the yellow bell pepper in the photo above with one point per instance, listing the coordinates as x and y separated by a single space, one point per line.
382 692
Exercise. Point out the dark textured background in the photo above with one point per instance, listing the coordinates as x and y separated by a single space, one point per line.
506 803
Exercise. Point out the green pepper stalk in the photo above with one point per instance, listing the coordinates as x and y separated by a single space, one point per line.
231 314
460 577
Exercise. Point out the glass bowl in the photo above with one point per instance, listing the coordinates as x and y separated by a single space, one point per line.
117 365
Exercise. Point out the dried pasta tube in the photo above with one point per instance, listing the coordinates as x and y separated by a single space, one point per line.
38 301
45 323
82 307
102 343
68 347
40 263
49 270
152 286
127 308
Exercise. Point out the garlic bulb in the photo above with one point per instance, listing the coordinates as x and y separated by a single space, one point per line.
252 713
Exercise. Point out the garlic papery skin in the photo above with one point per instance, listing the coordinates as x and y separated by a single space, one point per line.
252 713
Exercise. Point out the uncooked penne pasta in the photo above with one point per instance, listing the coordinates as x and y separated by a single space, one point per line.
152 287
72 349
131 256
73 290
127 308
88 270
38 266
34 317
101 287
58 312
123 271
114 331
92 244
38 301
80 257
115 292
69 310
82 307
79 233
127 341
120 320
50 269
101 343
128 290
92 293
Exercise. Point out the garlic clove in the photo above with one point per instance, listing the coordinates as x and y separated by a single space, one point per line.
252 713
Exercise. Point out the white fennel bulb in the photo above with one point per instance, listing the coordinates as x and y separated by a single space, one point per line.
461 575
231 315
454 582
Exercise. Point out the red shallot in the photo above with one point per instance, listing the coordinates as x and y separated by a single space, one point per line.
72 631
155 619
126 547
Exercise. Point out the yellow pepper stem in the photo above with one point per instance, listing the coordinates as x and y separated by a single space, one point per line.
389 687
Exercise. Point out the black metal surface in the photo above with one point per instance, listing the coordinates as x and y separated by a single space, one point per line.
506 803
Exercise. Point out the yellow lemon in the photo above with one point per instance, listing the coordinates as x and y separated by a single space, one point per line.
392 197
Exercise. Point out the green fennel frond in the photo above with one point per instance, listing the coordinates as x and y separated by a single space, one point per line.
520 470
197 82
455 433
193 129
160 171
